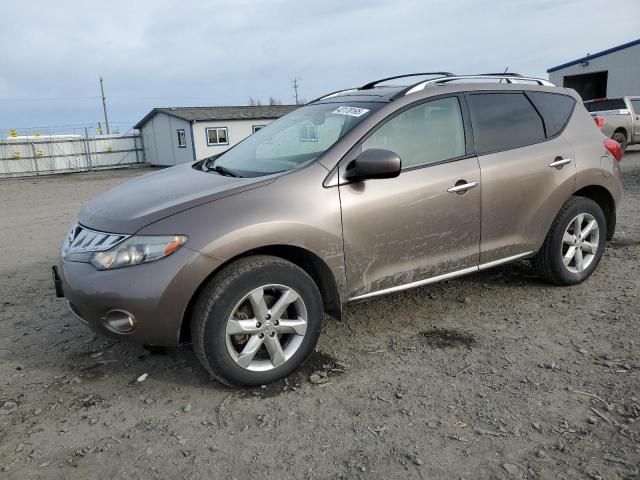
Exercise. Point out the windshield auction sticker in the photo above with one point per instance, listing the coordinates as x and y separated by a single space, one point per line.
350 111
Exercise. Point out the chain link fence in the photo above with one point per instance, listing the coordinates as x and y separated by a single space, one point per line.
44 155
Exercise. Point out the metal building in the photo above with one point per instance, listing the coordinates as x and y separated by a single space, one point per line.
611 73
185 134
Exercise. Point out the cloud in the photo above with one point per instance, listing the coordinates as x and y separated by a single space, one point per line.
211 52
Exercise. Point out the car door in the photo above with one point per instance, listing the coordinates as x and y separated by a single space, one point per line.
527 168
404 231
635 104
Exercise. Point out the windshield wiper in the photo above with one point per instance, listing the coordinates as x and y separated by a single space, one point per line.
224 171
212 167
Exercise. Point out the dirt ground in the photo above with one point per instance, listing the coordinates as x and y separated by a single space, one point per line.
496 375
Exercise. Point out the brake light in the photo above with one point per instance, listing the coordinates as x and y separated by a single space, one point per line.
613 148
599 121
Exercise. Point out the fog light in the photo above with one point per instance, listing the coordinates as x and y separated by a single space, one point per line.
120 321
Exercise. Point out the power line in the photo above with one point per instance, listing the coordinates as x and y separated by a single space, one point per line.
38 99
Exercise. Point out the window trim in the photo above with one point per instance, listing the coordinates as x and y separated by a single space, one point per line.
184 137
206 133
502 92
466 126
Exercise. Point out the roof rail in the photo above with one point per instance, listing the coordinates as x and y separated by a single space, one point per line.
503 74
508 77
332 94
370 85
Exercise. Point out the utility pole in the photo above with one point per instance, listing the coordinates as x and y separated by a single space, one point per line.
87 148
296 85
104 106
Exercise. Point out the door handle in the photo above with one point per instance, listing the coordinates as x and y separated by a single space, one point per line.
462 187
560 162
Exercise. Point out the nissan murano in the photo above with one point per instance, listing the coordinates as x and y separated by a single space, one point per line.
360 193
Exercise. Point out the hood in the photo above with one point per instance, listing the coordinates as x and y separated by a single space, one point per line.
146 199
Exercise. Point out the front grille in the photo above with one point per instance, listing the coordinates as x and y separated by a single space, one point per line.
81 239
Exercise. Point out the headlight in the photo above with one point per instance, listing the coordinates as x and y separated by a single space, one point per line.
137 250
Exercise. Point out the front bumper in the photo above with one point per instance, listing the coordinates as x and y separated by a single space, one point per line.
155 295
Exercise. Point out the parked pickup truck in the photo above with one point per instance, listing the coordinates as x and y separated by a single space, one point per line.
619 118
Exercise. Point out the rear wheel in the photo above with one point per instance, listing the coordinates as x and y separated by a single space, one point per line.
256 321
621 138
574 245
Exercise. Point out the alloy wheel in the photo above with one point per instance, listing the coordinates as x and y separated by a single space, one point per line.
580 243
266 328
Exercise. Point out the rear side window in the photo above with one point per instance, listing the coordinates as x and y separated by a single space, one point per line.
555 110
636 106
502 121
605 105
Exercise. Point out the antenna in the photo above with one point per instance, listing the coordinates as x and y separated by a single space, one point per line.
296 85
104 106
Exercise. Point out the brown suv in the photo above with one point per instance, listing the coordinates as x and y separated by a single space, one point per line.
360 193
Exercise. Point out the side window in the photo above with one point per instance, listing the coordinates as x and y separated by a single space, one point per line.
636 106
217 136
502 121
182 139
428 133
555 109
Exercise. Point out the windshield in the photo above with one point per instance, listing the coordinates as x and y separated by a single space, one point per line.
293 140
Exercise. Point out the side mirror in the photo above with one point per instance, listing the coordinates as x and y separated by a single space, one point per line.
374 163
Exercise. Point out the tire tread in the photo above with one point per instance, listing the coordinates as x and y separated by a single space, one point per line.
215 287
542 262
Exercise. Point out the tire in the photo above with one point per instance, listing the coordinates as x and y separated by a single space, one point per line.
621 138
549 261
237 342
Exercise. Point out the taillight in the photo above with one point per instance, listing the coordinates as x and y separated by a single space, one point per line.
599 121
614 148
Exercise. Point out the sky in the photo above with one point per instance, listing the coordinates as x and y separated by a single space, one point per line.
199 53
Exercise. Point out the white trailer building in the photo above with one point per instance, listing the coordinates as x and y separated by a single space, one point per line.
611 73
186 134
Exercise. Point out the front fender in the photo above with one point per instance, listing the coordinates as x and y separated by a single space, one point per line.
294 210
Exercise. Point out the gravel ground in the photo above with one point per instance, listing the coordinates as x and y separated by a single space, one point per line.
496 375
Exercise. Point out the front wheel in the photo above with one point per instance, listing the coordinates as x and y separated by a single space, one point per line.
574 245
256 321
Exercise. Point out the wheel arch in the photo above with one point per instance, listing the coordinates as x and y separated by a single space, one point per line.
621 130
311 263
605 200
